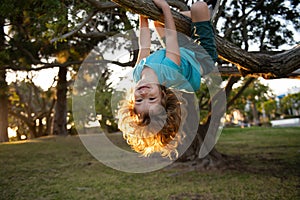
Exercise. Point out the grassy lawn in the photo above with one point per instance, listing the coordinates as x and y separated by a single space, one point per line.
264 164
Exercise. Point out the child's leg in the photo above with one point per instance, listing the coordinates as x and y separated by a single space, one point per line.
200 12
186 13
203 34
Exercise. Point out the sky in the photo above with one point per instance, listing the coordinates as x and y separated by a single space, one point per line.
282 86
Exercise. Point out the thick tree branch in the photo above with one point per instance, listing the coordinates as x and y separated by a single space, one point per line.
268 66
102 6
245 86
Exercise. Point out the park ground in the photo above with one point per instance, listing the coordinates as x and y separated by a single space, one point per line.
263 163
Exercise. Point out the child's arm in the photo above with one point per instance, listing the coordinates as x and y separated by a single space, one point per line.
172 47
144 39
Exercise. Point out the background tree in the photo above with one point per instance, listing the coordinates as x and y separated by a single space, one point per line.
31 109
103 103
290 105
29 33
251 100
3 84
25 43
270 108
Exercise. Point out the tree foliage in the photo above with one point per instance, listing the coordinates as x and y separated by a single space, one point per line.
251 100
270 108
290 104
45 34
264 24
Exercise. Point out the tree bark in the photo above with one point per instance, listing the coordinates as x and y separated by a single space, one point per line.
4 107
3 91
60 114
267 64
255 114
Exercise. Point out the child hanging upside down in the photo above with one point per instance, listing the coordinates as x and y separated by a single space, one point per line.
151 118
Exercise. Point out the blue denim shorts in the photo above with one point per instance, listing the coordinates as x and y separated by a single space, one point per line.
202 33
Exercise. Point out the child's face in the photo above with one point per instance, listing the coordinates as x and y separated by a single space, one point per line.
146 96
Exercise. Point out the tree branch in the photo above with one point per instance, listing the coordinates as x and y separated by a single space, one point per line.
268 66
246 84
242 18
102 6
89 17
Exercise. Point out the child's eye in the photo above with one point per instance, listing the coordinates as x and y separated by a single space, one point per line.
152 98
138 100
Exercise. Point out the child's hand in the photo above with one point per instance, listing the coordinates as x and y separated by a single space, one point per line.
161 4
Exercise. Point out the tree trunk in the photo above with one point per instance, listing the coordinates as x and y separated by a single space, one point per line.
4 107
190 128
32 133
255 114
60 114
50 120
3 92
202 151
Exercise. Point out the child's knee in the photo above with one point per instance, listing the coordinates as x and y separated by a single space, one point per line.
200 11
199 6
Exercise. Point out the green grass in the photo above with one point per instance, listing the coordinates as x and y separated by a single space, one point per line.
264 164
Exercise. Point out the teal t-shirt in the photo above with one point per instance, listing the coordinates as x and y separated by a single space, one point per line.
185 77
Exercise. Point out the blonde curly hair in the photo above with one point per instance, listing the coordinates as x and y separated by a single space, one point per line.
150 132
